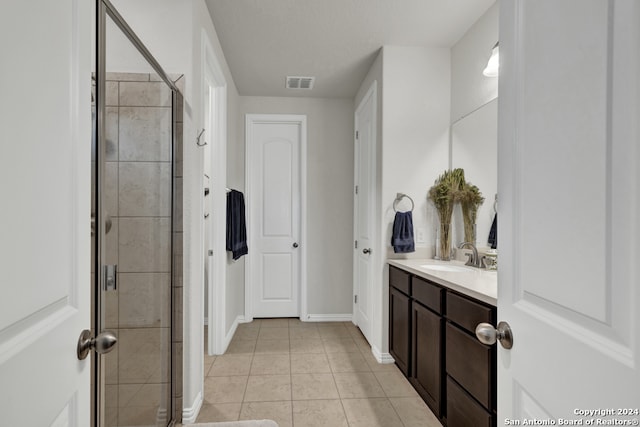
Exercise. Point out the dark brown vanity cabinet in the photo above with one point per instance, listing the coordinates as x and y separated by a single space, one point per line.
399 306
470 365
399 318
432 338
415 333
426 362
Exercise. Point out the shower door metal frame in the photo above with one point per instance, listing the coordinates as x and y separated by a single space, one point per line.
104 8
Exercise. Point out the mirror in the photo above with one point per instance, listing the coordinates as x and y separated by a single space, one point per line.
474 148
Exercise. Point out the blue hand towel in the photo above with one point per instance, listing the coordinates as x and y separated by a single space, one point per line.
236 225
402 237
493 233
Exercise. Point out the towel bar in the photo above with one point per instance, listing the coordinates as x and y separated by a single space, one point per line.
399 197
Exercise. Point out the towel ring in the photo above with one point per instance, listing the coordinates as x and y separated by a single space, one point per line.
399 197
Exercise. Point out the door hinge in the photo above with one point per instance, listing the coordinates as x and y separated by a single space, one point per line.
357 134
355 299
355 245
356 189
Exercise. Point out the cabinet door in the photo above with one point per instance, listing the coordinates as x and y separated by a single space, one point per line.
471 364
426 372
463 410
399 328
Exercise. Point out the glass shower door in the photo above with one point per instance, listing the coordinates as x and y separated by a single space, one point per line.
135 169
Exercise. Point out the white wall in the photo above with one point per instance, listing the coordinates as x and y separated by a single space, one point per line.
329 194
413 149
172 31
415 146
474 119
234 293
415 143
470 89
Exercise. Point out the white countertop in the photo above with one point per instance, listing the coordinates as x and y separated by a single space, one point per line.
477 283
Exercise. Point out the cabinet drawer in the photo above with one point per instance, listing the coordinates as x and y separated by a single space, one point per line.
470 363
427 294
467 313
399 280
462 410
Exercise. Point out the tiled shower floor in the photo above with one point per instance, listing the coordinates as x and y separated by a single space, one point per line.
307 375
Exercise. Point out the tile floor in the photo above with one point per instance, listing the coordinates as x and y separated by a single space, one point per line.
306 375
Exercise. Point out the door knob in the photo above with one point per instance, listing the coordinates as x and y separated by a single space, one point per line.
366 251
295 245
487 334
101 344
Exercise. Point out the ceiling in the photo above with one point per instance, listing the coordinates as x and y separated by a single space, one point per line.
334 40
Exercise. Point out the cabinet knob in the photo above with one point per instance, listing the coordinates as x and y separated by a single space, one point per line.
487 334
366 251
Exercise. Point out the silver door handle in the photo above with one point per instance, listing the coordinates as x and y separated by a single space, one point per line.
366 251
295 245
487 334
102 344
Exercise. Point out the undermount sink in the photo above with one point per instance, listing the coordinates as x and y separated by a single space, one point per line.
447 268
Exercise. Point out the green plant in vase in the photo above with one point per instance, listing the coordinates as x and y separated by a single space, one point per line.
443 195
470 199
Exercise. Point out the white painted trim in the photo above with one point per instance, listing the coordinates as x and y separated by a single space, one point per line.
329 318
248 288
214 79
371 93
384 358
189 414
229 336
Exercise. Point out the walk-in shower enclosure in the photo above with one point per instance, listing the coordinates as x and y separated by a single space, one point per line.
137 229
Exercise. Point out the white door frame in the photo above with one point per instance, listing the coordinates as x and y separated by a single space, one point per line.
250 120
371 93
215 84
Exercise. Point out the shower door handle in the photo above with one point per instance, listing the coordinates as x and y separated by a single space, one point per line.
110 277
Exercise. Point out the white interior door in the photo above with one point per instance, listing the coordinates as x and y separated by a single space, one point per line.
273 145
45 117
365 124
569 201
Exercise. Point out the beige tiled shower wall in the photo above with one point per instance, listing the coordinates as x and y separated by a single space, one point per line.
138 183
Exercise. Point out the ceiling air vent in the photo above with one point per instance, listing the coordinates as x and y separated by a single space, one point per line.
298 82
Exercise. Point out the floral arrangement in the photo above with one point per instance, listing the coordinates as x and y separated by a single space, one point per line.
470 199
448 189
444 194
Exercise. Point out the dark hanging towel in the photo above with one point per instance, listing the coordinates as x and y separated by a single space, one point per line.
236 225
493 233
402 237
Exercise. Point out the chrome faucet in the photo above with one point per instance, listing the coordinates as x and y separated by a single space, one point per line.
474 259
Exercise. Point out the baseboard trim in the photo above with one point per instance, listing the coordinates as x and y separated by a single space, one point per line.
231 333
190 414
329 318
384 358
